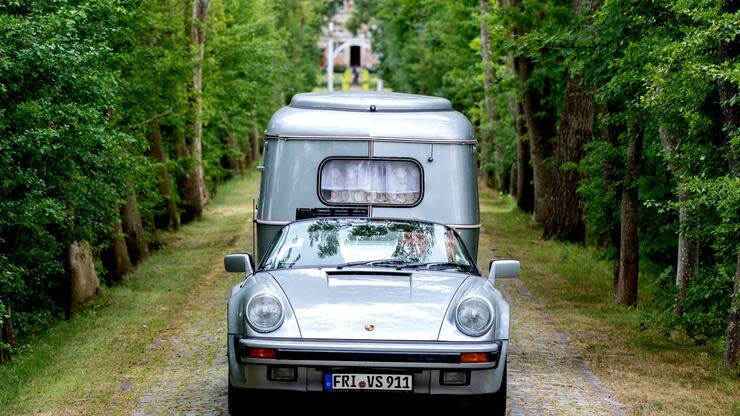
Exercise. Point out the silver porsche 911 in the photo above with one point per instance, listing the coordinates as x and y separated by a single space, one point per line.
368 304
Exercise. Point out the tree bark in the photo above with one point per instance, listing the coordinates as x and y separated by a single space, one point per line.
528 186
727 91
488 138
539 128
731 122
731 356
233 160
688 254
195 190
255 144
524 186
133 229
115 258
688 248
7 335
609 133
565 211
512 180
629 253
164 180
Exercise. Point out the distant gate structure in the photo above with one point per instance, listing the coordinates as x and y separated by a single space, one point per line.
342 47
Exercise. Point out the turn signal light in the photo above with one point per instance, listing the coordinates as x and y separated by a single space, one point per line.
262 353
474 357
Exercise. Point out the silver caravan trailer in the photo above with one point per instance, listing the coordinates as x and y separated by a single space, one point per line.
368 154
365 285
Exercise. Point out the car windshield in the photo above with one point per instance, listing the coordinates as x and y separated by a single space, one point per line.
367 242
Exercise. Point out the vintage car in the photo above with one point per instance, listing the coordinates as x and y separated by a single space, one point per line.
366 281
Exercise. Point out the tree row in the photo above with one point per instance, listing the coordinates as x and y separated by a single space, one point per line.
614 122
118 119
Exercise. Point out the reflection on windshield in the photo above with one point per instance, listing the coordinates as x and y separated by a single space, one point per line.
332 242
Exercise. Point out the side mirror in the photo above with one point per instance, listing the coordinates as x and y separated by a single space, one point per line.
239 263
503 269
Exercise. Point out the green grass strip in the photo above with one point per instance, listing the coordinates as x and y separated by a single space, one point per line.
76 365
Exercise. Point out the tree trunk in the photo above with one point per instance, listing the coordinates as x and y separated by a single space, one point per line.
688 254
609 133
115 258
731 122
565 212
539 129
488 138
234 160
255 144
195 190
513 180
133 229
629 254
732 344
528 186
164 180
728 91
245 143
83 279
7 336
688 248
524 186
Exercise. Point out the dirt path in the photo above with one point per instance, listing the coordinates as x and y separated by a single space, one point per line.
192 379
546 374
184 371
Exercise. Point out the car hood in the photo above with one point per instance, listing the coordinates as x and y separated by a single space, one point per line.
346 304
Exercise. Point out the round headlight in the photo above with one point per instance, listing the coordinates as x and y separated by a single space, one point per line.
474 316
265 313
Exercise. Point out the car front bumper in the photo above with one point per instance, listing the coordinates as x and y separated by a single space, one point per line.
313 358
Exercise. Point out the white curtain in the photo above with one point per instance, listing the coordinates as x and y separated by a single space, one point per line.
371 181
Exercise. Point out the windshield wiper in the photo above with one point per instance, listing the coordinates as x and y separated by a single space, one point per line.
370 262
434 264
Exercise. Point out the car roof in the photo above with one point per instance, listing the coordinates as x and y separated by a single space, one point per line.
367 114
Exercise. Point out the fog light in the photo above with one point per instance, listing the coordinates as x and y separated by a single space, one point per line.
281 373
455 378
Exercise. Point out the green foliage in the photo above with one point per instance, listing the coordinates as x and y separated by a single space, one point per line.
706 304
434 47
62 157
654 68
84 85
660 61
260 54
426 47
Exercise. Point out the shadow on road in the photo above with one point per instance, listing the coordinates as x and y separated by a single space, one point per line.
362 403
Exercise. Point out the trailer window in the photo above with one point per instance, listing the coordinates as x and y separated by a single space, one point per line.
371 182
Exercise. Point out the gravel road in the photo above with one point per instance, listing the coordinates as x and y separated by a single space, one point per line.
546 375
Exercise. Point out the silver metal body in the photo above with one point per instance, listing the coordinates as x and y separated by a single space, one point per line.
318 126
325 320
411 313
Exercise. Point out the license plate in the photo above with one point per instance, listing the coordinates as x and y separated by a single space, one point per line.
385 382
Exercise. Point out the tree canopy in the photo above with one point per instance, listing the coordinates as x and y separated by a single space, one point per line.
619 118
98 122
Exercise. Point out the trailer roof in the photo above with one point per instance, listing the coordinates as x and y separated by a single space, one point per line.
363 100
365 114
